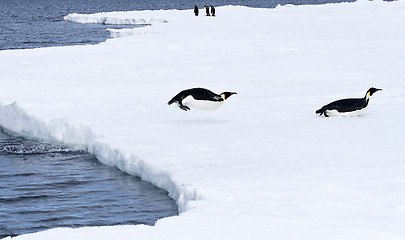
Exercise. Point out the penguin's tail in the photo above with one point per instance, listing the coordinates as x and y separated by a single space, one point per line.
173 100
320 111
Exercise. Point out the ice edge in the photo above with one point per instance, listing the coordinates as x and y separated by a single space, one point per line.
15 119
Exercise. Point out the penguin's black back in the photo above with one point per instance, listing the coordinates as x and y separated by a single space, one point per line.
198 94
346 105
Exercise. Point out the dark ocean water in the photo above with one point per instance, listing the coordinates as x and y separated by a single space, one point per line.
45 186
39 23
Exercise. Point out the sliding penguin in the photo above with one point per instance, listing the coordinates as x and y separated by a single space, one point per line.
200 98
347 107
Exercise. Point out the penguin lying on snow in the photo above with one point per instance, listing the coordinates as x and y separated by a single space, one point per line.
200 98
347 107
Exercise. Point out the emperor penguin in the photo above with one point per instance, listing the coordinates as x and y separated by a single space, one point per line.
207 10
212 11
349 107
196 11
200 98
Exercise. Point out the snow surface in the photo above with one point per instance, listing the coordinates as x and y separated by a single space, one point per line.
263 166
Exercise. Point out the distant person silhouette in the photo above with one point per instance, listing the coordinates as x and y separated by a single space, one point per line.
212 11
196 10
207 10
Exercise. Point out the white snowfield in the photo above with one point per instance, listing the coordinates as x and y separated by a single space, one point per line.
263 166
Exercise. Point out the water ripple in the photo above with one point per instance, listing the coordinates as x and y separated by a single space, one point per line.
23 198
38 148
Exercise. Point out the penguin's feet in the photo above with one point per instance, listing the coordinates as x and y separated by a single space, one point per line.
185 108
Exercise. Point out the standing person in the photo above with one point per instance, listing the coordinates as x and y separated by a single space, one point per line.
212 11
207 10
196 10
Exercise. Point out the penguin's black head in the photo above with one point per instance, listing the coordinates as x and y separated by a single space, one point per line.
226 95
372 90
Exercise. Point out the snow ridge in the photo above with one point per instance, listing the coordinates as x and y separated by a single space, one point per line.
96 19
137 167
14 119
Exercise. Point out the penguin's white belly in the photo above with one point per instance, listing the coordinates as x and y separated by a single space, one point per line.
189 101
335 113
